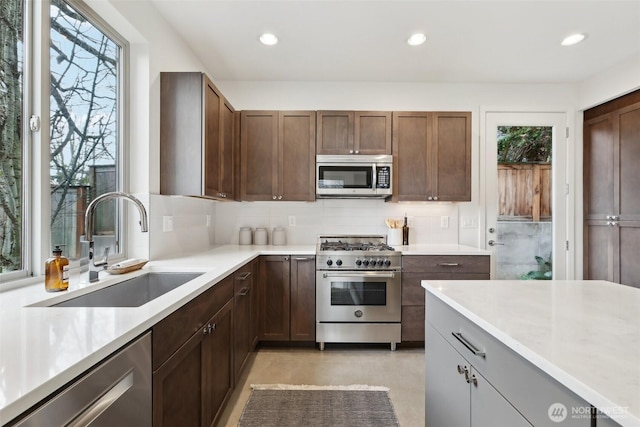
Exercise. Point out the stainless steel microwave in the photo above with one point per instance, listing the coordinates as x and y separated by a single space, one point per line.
353 176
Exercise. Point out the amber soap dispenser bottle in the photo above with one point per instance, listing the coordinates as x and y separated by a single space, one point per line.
56 272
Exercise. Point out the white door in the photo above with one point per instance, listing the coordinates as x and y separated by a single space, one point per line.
557 226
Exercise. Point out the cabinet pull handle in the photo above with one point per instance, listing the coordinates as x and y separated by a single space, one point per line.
102 404
448 264
304 258
244 276
470 347
244 291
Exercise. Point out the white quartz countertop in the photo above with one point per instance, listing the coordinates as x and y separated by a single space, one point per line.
43 348
585 334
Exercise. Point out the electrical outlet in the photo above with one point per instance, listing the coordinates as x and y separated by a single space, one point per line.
444 222
167 223
469 222
292 221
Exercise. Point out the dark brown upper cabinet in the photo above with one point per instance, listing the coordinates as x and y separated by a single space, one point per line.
354 132
197 137
432 156
277 152
611 181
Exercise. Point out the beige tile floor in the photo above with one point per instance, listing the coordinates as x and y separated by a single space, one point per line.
401 370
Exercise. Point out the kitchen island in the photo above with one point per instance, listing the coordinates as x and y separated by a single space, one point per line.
551 349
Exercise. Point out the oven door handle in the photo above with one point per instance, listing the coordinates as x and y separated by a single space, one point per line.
372 274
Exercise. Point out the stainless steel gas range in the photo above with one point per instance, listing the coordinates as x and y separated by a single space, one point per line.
358 291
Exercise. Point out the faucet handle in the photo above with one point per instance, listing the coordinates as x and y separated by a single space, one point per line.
104 261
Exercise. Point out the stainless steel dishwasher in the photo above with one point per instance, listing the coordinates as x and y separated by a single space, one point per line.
115 392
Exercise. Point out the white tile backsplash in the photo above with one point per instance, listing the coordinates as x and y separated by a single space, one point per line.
327 216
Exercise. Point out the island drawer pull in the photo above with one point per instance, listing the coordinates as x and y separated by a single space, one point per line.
471 347
448 264
244 276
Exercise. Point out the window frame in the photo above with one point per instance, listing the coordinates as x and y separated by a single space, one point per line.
36 194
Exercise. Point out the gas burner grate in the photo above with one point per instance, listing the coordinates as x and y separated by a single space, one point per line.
344 246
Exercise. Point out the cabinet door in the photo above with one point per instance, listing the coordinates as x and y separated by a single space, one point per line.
177 387
227 151
217 365
274 298
335 132
489 408
259 155
372 133
451 153
447 394
410 155
212 141
627 199
598 168
296 156
303 298
628 234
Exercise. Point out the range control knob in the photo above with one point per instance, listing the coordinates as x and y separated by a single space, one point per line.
387 263
339 262
380 263
329 262
365 262
358 262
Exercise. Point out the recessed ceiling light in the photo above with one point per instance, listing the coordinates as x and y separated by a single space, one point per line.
268 39
416 39
573 39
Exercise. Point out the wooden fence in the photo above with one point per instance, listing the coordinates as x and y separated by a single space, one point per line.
524 191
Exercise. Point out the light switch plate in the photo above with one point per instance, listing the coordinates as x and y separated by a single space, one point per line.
292 221
444 222
208 220
469 222
167 223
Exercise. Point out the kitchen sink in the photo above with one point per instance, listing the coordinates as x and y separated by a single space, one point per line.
132 292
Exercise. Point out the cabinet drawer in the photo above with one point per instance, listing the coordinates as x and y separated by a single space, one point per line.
412 323
174 330
525 386
242 278
446 264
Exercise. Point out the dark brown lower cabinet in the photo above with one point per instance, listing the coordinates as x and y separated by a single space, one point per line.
303 298
192 384
286 288
416 268
244 340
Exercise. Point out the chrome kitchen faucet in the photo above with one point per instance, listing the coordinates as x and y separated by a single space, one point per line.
96 266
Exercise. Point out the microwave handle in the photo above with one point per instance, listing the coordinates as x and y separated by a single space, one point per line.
375 177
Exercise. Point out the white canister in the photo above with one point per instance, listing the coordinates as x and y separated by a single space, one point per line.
245 236
279 236
394 237
260 236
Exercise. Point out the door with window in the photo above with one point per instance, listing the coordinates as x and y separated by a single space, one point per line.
526 194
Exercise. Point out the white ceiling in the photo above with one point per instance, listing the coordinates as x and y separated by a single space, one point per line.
474 41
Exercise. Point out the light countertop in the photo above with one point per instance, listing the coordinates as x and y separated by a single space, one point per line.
585 334
42 348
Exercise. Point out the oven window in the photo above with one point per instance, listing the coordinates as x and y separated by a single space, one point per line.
345 176
358 293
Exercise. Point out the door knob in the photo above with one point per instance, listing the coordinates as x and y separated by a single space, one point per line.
494 243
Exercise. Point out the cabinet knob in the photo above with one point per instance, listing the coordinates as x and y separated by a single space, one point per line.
279 197
435 197
429 198
357 151
274 197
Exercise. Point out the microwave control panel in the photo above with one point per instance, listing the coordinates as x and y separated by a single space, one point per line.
383 179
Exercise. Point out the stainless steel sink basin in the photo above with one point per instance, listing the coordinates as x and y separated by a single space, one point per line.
133 292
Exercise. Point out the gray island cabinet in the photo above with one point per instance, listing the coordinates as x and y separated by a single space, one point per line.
514 353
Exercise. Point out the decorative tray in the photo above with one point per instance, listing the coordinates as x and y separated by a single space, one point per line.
125 267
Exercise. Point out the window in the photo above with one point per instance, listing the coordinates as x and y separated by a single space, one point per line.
11 135
85 77
84 130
